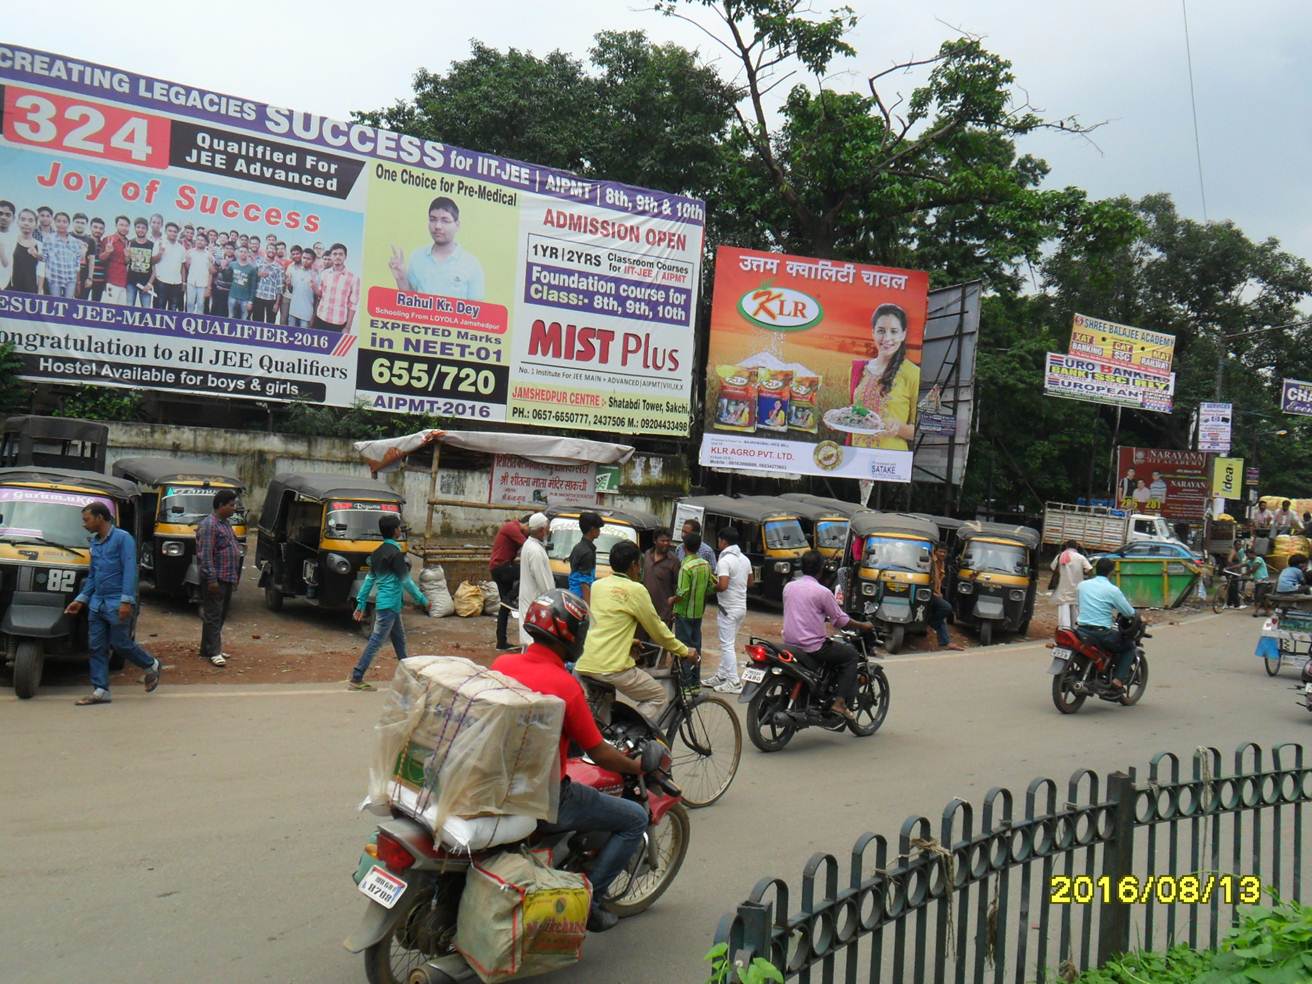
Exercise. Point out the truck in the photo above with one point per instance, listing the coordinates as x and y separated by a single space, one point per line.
1100 528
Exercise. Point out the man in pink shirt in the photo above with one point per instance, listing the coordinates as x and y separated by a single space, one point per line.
808 606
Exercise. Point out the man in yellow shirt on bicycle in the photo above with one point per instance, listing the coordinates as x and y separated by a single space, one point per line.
620 603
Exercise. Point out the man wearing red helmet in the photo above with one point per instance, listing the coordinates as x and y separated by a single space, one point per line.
557 621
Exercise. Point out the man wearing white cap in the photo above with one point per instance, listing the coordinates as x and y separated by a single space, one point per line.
534 569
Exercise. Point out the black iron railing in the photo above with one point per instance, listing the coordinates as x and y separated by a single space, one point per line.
1042 888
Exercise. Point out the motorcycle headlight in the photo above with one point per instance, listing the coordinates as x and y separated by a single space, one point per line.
965 587
172 548
922 594
782 567
867 588
338 564
1017 595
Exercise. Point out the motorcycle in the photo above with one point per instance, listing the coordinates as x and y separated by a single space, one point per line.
1305 686
414 883
786 692
1081 668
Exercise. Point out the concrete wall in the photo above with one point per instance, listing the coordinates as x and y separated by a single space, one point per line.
649 482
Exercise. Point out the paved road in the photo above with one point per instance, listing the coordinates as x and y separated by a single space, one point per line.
208 834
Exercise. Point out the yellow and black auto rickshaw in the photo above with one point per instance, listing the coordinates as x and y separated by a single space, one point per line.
315 536
770 537
824 521
888 580
53 442
44 558
175 497
617 525
994 578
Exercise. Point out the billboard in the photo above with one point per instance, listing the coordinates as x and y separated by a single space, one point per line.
1122 345
1296 397
440 280
813 366
1094 381
1214 426
1174 484
946 410
1226 477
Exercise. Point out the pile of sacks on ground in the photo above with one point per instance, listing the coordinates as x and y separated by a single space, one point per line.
473 755
470 599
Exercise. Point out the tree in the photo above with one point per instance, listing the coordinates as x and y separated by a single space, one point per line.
641 113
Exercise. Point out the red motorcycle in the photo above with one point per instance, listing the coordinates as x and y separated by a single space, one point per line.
1081 668
414 885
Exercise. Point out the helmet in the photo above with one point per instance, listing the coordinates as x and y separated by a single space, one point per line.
559 619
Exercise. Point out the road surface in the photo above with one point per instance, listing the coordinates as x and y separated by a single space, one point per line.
209 833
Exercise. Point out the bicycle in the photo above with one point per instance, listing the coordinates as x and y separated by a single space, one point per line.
1251 593
702 730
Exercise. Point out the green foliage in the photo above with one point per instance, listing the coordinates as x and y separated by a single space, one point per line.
759 971
102 403
1272 945
15 395
358 423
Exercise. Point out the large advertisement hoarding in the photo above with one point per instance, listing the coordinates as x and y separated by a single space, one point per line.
1173 484
1094 381
1122 345
439 280
1296 397
813 366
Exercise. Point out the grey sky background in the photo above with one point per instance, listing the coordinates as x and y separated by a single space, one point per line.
1117 60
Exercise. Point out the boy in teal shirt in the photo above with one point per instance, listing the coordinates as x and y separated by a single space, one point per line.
388 570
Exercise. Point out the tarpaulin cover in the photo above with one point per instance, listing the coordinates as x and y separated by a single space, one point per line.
387 453
457 739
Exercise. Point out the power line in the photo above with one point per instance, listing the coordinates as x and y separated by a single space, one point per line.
1193 102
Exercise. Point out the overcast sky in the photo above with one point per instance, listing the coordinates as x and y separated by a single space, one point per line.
1119 61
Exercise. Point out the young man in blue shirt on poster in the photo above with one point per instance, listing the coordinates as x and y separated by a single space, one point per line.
443 268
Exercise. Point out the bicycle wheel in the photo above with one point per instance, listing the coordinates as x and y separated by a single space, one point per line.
1272 666
705 745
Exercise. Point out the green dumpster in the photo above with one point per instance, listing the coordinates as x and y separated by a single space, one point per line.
1155 582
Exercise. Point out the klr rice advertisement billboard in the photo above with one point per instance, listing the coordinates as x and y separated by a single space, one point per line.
160 236
813 366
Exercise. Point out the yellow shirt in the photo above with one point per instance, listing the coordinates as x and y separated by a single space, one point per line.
619 606
898 407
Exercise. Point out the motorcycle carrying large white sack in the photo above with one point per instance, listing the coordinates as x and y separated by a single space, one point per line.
458 739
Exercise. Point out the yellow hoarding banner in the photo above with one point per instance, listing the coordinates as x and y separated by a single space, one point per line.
1228 477
1122 345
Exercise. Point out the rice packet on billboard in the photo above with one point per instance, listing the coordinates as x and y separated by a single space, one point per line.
772 388
735 408
803 404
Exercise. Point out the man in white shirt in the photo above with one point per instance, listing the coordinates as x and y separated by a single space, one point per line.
1072 567
200 268
534 569
169 257
8 237
733 574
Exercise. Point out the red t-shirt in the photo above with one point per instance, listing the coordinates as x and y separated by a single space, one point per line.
116 264
506 544
538 668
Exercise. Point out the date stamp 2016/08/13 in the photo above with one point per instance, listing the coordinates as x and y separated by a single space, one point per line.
1166 889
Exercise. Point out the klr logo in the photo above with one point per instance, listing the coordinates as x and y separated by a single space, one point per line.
780 308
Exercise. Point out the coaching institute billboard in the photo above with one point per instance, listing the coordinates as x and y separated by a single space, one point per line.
281 255
1173 484
813 366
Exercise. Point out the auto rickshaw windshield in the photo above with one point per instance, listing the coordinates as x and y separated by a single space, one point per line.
894 554
46 514
191 505
785 534
1002 558
565 537
831 534
359 520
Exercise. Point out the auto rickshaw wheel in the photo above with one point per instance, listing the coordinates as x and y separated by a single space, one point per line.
29 660
897 636
986 632
272 599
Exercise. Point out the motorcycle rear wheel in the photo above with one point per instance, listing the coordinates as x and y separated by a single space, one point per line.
872 698
1135 690
1063 694
407 947
765 733
636 894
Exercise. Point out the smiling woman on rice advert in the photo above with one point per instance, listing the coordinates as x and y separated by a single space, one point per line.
814 366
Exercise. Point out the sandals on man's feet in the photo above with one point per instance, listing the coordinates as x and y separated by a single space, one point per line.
95 697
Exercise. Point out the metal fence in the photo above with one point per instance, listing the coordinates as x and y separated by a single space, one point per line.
1043 887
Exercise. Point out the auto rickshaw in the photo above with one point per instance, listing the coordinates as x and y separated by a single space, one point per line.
888 580
175 497
53 442
315 536
995 575
617 525
770 537
824 526
45 557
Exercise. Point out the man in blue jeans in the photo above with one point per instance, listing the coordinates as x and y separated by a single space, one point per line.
109 595
388 570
